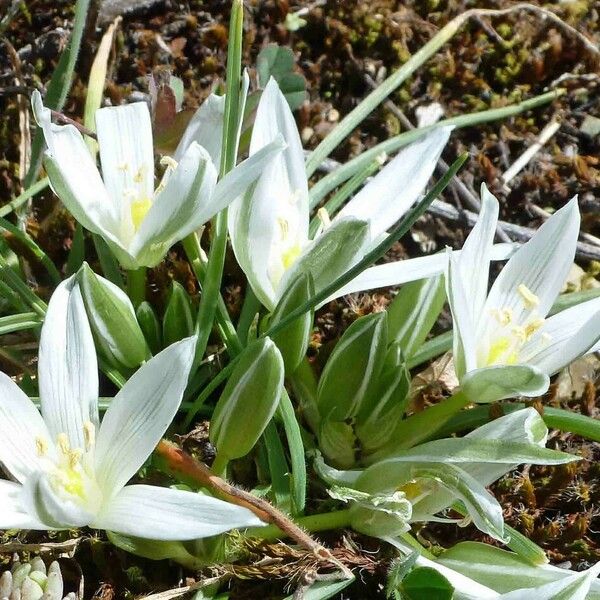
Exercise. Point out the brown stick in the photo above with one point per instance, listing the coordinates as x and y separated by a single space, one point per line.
180 463
68 121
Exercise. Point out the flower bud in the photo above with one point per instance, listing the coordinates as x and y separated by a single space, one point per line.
112 320
150 326
178 322
248 401
293 339
351 373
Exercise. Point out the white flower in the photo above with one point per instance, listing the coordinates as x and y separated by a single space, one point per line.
140 223
70 470
504 342
269 226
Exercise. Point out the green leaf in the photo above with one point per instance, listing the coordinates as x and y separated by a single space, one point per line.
491 384
414 311
178 321
297 457
248 401
425 583
278 62
278 468
293 339
322 590
77 251
377 421
350 375
398 571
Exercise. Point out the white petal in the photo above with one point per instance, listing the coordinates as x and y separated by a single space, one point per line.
274 117
399 185
475 256
166 514
542 265
403 271
464 340
237 181
127 157
68 369
20 425
206 129
74 176
564 337
140 413
180 208
13 514
273 219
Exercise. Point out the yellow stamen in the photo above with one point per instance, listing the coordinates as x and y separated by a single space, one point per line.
324 217
139 175
504 316
62 441
74 457
89 435
41 446
529 298
168 161
284 226
532 327
139 209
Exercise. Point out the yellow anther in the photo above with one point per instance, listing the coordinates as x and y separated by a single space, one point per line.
529 298
284 227
504 316
89 435
520 333
124 167
324 217
169 162
139 209
41 446
532 327
74 457
139 174
62 441
412 489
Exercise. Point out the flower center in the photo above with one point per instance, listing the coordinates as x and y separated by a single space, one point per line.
70 473
508 338
139 209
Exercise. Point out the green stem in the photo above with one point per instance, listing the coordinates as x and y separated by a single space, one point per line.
231 119
250 307
313 523
136 285
227 331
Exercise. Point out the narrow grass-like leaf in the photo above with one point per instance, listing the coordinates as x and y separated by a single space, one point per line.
22 198
278 468
297 457
20 322
31 245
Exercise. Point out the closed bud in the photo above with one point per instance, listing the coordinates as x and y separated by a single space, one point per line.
293 339
248 401
150 326
112 319
178 322
351 373
376 422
